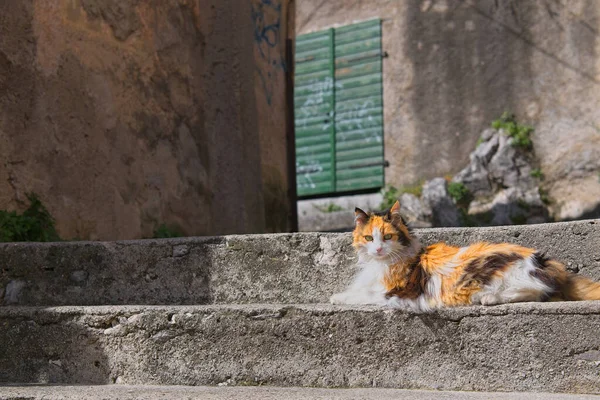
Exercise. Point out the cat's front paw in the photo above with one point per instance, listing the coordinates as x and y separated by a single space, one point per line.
490 300
339 298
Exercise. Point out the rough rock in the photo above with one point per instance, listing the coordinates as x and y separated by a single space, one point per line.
499 178
509 166
475 178
486 150
496 164
414 211
487 134
438 203
510 206
475 175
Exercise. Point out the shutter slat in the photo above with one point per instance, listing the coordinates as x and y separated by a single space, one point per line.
300 80
313 140
364 112
372 182
314 121
370 67
353 104
358 35
309 68
359 81
359 134
352 51
319 109
358 124
314 159
358 173
356 143
310 131
312 55
341 165
360 92
359 153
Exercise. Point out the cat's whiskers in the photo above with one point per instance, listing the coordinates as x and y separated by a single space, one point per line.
400 256
396 256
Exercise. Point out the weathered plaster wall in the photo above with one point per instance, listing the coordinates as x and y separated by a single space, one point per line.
454 66
124 114
273 22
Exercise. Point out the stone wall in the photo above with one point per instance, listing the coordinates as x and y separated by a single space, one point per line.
454 66
126 114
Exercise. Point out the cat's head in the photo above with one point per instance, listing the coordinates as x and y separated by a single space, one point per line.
382 236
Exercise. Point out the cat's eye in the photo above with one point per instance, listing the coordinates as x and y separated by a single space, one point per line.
387 237
368 238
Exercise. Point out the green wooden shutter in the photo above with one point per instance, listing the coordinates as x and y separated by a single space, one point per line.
313 110
343 99
358 107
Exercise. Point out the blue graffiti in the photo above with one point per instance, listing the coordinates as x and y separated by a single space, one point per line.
266 16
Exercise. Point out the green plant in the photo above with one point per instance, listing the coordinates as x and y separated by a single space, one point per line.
391 193
165 232
459 193
537 173
34 225
329 208
520 133
479 141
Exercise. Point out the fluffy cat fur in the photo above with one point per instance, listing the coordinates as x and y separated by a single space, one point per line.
395 270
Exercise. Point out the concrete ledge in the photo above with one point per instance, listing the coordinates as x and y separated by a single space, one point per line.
280 268
129 392
551 347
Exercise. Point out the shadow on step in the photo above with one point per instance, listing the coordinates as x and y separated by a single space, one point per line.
174 271
39 346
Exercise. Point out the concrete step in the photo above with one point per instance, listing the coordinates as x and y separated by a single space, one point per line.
128 392
281 268
549 347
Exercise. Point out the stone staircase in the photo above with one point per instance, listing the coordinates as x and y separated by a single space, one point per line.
251 310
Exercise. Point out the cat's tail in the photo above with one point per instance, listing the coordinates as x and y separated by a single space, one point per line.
568 285
579 287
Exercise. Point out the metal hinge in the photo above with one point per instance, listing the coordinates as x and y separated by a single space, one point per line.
384 163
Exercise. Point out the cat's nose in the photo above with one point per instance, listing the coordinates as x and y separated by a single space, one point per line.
379 250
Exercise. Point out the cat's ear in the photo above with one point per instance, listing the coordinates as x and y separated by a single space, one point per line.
360 217
395 210
394 214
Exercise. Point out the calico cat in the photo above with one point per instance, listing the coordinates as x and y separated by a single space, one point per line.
397 271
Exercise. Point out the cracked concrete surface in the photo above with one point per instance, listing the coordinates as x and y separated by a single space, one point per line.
550 347
276 268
